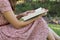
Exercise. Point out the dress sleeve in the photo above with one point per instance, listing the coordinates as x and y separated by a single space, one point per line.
5 6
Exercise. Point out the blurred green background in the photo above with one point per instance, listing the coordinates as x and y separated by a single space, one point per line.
52 6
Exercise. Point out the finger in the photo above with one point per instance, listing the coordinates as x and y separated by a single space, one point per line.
30 11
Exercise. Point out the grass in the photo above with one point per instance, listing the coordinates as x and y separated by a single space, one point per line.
55 27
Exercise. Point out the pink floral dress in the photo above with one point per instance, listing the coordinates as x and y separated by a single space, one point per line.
35 31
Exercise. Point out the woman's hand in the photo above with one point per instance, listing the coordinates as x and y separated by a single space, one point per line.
24 23
24 14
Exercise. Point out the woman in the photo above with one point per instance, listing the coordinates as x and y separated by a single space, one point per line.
51 34
13 29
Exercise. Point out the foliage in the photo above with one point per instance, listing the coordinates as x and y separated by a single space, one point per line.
53 7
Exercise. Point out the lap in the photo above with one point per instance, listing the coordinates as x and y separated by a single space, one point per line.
37 30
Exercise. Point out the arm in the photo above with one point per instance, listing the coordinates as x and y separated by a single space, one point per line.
7 12
10 16
50 36
54 34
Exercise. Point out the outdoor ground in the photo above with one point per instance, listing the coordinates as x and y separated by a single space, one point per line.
56 28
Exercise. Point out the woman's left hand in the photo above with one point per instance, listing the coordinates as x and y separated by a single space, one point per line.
24 14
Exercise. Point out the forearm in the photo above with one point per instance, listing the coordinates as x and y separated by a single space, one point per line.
23 24
32 20
54 34
50 36
10 16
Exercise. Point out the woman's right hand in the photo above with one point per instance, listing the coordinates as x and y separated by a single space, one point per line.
31 20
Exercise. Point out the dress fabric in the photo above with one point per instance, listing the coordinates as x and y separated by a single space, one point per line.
38 30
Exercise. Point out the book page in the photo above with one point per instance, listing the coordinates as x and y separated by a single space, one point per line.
36 13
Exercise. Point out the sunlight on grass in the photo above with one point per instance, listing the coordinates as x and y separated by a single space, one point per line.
55 27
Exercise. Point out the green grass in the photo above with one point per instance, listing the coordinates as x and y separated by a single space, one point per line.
56 28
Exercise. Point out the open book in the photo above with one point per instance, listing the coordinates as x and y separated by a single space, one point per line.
32 15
